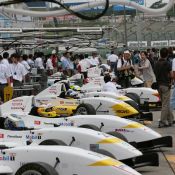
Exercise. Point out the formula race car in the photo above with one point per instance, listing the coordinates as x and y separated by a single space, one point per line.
60 160
13 130
147 98
56 96
127 130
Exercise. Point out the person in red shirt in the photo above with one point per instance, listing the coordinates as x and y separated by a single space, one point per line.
54 59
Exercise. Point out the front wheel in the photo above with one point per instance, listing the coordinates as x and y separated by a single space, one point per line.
85 109
37 168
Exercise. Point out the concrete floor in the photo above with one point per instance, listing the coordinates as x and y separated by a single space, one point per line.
166 155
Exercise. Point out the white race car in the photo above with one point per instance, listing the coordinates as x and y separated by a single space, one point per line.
14 130
122 106
125 129
146 97
58 160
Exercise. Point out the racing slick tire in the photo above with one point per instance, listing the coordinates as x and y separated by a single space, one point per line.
85 109
53 142
36 168
118 135
93 127
134 97
104 152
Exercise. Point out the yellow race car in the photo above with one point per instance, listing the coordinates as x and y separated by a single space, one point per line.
62 111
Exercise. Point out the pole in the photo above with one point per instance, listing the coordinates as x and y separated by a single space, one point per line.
125 29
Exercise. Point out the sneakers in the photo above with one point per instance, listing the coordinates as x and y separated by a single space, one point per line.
162 125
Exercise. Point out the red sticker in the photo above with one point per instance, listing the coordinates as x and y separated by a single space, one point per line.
61 102
37 122
1 136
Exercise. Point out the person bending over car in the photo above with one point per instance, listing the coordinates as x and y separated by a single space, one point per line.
109 86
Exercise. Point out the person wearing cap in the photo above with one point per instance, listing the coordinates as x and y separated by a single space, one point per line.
125 70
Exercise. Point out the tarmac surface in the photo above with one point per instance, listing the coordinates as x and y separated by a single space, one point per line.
166 155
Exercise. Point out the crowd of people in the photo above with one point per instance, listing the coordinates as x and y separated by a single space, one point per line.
155 67
157 70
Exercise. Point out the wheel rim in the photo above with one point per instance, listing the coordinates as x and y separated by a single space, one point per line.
82 111
31 172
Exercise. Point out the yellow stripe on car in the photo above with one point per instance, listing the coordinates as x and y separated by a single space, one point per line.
123 98
107 162
124 110
134 125
109 141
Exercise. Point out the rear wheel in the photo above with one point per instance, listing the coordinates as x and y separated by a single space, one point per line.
85 109
118 135
93 127
52 142
37 168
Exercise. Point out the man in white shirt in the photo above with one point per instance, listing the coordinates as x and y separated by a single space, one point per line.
39 63
18 71
4 78
30 61
94 60
5 59
112 60
109 86
25 63
83 66
49 66
124 69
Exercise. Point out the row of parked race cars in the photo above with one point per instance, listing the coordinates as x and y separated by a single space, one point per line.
66 132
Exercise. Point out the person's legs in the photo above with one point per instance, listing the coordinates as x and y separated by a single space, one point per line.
165 98
172 100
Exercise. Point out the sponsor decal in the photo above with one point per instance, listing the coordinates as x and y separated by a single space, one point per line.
94 147
53 90
66 124
33 137
1 136
123 111
8 158
37 122
18 104
123 130
14 136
